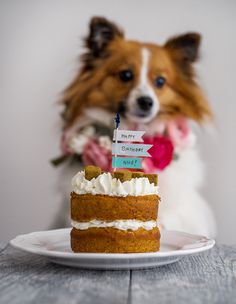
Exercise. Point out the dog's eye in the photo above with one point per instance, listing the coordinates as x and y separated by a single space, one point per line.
126 75
160 81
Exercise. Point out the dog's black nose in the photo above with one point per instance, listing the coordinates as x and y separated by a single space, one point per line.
145 103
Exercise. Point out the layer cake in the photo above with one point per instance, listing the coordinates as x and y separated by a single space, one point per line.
114 212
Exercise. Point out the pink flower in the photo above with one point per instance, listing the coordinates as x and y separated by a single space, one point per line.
178 131
161 153
96 155
148 165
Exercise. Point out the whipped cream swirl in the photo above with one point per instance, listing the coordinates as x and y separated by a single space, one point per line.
118 224
106 184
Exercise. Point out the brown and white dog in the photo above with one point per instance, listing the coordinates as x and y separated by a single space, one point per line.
151 86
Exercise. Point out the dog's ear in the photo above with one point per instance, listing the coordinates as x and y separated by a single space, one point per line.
101 33
184 49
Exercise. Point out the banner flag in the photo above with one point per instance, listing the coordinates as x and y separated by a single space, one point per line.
130 149
127 135
127 162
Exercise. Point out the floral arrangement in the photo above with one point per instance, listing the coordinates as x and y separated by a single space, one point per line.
92 145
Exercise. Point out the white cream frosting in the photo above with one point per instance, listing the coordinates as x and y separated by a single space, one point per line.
106 184
118 224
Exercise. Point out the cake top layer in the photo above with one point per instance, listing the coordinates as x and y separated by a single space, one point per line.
119 183
124 175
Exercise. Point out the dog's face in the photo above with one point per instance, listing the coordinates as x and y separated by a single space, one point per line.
142 81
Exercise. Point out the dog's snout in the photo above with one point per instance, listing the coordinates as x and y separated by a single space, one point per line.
145 103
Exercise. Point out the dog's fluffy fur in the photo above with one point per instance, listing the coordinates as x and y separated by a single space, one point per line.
98 91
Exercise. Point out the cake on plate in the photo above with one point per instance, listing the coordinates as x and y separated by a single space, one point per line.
114 212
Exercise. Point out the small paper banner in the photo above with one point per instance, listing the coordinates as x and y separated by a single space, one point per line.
130 149
126 162
127 135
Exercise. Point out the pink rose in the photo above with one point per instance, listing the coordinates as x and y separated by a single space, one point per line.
178 131
161 153
96 155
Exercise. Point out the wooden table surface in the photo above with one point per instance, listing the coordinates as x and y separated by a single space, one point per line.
208 277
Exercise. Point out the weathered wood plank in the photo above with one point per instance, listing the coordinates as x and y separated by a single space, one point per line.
26 278
205 278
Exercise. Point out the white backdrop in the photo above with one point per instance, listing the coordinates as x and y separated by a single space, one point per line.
40 42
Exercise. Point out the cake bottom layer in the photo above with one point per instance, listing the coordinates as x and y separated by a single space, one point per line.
112 240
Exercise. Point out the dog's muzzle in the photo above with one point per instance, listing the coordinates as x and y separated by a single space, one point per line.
143 109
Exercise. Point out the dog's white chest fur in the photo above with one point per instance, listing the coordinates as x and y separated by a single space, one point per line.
182 207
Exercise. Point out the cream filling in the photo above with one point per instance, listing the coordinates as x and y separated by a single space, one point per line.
118 224
107 185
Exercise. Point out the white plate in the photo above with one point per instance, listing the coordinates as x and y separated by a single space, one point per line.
55 245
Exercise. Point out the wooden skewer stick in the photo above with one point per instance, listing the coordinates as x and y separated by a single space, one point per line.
117 121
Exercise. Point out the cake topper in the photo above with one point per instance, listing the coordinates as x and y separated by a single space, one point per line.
122 149
117 120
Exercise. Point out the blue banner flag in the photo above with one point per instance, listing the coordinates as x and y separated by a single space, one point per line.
127 162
